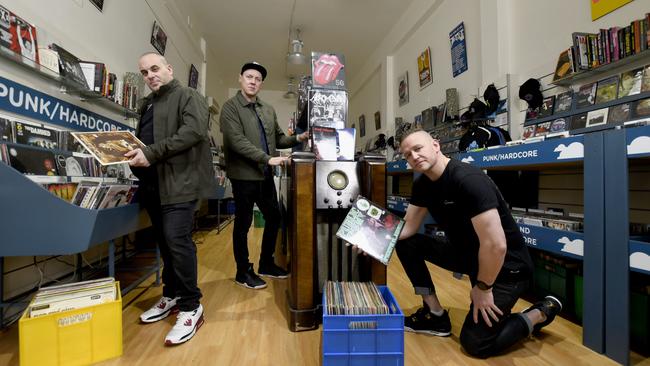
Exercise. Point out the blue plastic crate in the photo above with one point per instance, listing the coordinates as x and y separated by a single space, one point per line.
381 346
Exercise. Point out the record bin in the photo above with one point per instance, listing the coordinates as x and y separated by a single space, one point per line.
75 337
383 345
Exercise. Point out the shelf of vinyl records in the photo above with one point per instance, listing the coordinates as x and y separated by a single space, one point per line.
69 85
74 177
618 100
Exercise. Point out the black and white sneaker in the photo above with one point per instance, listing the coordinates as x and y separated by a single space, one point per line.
550 307
162 309
273 271
187 323
250 279
424 321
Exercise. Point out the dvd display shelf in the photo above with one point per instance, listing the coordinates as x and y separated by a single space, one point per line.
67 85
34 222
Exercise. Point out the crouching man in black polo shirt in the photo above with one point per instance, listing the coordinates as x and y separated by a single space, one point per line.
482 240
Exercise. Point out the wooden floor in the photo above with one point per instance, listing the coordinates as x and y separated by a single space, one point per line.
249 327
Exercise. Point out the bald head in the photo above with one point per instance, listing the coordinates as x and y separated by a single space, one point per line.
160 57
420 150
155 70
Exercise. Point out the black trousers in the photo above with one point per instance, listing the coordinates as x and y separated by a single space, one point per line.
247 193
478 339
173 229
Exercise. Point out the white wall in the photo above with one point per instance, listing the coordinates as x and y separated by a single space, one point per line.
367 101
520 38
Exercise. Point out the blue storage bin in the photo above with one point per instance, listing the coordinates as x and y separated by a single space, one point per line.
381 346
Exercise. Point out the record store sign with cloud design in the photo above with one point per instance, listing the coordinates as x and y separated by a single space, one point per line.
638 141
558 150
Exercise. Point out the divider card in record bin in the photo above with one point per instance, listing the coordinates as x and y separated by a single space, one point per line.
640 256
360 340
565 243
638 141
545 152
398 166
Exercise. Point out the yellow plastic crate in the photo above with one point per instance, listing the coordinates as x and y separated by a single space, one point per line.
74 337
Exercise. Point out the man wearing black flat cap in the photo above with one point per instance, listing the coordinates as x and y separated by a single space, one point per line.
251 135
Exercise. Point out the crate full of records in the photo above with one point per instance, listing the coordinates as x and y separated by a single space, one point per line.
362 325
72 324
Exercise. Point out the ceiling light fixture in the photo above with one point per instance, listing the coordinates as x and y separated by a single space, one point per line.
296 56
291 92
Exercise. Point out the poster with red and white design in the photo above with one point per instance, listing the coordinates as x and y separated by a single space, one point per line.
328 70
18 35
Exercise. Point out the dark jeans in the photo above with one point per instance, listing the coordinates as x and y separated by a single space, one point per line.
246 193
173 229
478 339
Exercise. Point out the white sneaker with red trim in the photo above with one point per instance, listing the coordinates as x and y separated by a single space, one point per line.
162 309
187 323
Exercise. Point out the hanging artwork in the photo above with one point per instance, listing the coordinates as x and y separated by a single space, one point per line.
158 38
602 7
424 68
362 125
377 121
194 77
458 50
403 88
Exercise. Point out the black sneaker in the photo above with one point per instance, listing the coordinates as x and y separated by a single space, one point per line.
250 279
424 321
271 270
550 306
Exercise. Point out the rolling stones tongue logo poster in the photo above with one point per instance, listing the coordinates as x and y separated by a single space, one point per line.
328 70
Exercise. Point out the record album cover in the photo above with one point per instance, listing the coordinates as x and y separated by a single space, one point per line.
597 117
563 102
586 95
630 83
36 135
32 161
559 125
346 144
328 70
641 108
607 90
546 109
6 130
563 67
324 143
529 131
619 114
428 122
328 108
645 83
542 129
70 166
109 147
372 229
18 35
403 88
69 66
579 121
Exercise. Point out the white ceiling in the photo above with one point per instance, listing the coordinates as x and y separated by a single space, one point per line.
238 31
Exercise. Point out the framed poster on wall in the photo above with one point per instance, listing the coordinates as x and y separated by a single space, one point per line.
362 125
99 4
193 80
403 88
424 68
458 50
158 38
377 121
602 7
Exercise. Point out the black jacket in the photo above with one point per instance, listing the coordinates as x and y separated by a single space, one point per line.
181 150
